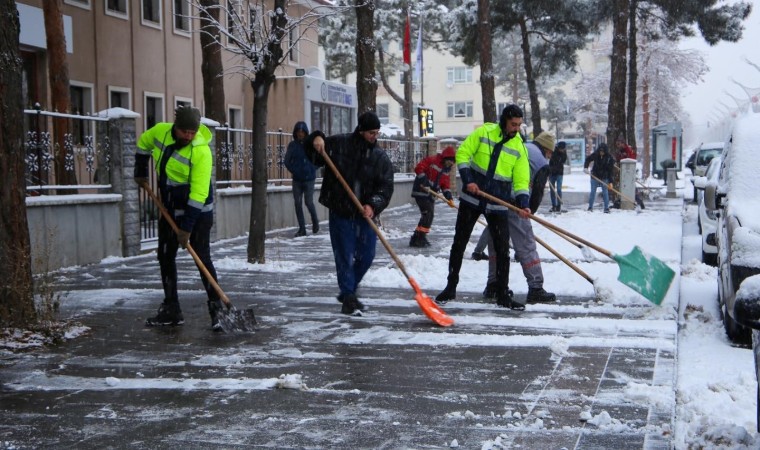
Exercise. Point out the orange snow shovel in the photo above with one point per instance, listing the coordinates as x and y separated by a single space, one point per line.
426 304
640 271
231 319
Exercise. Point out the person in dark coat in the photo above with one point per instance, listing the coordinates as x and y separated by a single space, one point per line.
432 173
367 169
304 174
556 174
602 169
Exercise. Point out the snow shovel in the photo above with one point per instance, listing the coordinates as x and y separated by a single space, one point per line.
616 191
231 319
640 271
426 304
565 260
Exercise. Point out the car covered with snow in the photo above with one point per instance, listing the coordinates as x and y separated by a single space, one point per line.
708 218
734 197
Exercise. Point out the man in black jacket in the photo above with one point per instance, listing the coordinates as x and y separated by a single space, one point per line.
367 169
556 174
603 165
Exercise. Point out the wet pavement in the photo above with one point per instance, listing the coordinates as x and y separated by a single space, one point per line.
310 377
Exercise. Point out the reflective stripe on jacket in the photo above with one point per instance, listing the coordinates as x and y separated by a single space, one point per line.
512 170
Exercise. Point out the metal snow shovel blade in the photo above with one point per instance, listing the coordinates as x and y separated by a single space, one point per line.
231 319
640 271
426 304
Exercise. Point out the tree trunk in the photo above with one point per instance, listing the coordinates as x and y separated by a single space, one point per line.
645 130
535 106
616 106
487 84
212 71
366 84
16 288
633 76
58 76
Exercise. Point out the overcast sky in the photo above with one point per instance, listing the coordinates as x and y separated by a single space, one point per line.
726 61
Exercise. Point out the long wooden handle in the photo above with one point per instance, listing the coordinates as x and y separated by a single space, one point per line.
190 249
358 204
613 189
565 260
543 222
480 221
554 188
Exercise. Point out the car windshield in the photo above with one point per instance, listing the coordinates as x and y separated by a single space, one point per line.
706 155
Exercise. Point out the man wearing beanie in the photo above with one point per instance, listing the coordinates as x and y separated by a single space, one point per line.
183 162
368 171
493 159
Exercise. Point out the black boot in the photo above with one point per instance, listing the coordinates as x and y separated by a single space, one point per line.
300 232
490 291
418 240
449 293
479 256
351 305
423 237
214 309
539 295
506 300
168 314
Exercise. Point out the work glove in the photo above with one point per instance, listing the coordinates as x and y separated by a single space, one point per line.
586 171
142 182
448 195
609 186
183 237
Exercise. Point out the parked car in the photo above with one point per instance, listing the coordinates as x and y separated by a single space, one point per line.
700 159
734 198
707 218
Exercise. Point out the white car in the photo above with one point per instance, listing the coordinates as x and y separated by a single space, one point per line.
707 219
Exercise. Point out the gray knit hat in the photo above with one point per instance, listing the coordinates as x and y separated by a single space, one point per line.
187 118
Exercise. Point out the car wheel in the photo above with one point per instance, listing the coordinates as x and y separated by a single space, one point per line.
736 333
711 259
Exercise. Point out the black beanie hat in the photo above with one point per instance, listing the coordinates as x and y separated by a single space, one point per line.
368 121
187 118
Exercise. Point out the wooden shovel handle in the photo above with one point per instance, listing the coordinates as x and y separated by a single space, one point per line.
549 225
565 260
480 221
613 189
190 249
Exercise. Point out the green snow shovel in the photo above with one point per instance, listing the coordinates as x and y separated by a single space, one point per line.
640 271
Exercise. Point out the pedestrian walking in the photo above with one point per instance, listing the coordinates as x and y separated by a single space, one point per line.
602 171
369 172
521 229
304 175
556 174
183 162
493 159
432 173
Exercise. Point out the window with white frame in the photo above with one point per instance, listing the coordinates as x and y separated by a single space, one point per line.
459 75
233 19
182 101
80 101
181 16
117 8
151 12
235 116
119 97
80 3
382 112
293 45
154 109
458 109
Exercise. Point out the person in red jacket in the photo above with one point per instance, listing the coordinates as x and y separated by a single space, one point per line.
624 150
432 173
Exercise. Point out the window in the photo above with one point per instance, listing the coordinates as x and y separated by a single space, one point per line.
80 97
458 109
154 109
292 42
117 8
233 20
181 15
182 101
80 3
235 116
151 12
459 75
119 97
415 105
382 112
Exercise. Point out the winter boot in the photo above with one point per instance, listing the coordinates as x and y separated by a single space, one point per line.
449 293
315 228
479 256
417 240
168 314
539 295
507 301
490 291
423 237
300 232
352 305
214 309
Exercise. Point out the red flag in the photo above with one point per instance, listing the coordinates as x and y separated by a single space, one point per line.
408 43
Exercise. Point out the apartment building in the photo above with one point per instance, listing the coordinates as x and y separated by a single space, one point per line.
145 56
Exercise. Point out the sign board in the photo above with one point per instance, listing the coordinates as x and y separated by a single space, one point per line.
425 119
666 147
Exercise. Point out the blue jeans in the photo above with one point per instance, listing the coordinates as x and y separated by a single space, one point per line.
556 181
304 190
353 243
605 194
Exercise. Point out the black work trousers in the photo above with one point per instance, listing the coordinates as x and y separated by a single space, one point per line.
498 226
200 240
427 213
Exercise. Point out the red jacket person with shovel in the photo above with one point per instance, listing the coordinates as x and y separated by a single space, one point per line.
368 172
492 159
183 163
432 173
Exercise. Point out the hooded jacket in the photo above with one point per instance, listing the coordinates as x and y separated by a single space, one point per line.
184 173
365 167
433 173
295 157
604 163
